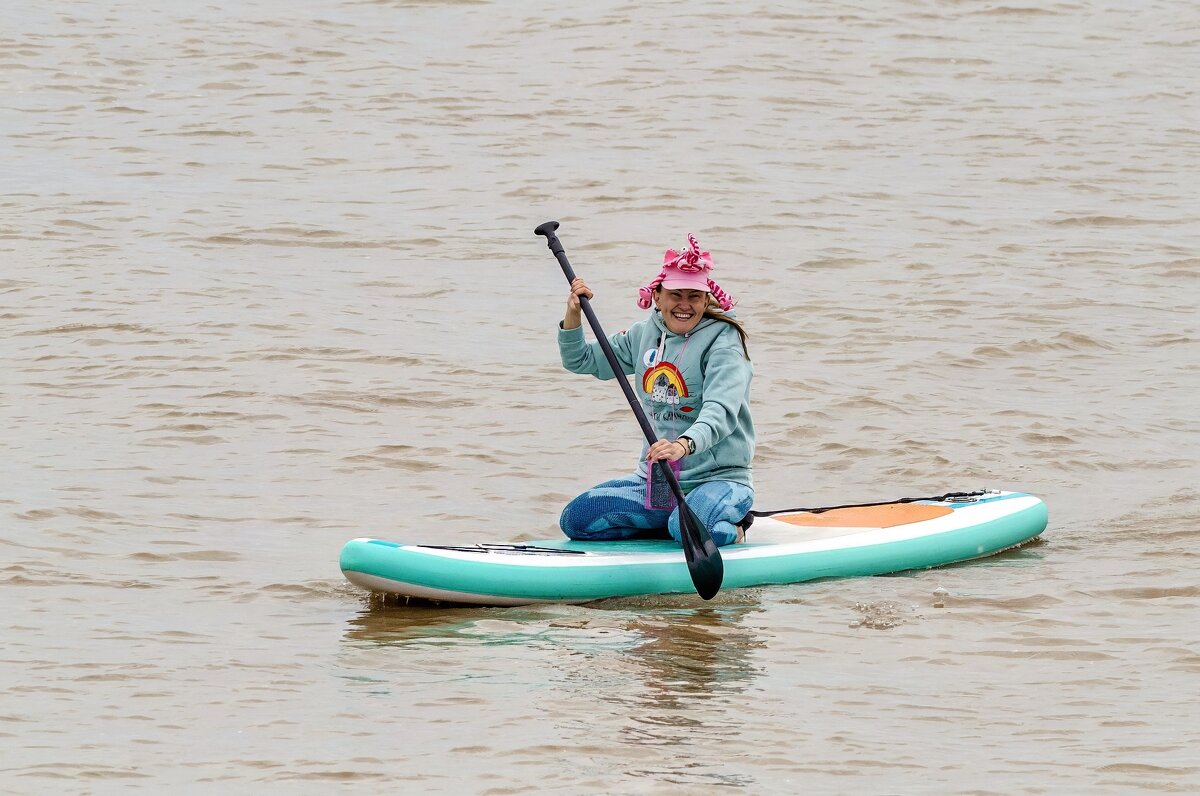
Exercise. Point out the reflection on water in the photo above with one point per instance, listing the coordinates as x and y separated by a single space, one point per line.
384 620
686 656
388 622
678 657
702 649
624 674
689 664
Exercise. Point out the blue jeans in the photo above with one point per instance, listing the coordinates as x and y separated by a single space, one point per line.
616 510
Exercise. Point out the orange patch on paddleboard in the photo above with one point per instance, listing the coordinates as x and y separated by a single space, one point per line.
886 516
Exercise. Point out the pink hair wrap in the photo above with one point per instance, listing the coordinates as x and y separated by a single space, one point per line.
686 270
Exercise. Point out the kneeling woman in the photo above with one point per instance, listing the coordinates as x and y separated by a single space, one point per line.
694 375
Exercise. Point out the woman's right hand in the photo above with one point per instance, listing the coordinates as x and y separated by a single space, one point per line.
573 318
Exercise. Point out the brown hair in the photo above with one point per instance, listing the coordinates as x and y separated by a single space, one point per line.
715 312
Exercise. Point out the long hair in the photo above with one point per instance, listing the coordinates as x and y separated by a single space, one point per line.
714 311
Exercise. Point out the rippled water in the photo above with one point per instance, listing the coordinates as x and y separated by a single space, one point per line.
268 282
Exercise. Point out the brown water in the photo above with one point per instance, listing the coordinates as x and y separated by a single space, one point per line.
268 282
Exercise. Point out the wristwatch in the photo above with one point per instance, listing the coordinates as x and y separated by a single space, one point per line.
689 443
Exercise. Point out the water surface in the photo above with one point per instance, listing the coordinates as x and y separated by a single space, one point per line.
268 282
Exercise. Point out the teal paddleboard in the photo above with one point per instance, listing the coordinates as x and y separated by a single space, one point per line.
787 547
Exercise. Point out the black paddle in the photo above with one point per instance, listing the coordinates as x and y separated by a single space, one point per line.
703 557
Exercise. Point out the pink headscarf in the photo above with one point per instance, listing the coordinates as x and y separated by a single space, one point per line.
686 270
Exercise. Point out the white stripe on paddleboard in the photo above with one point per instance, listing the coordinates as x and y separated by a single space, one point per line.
399 587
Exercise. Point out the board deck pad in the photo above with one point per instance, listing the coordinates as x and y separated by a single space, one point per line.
886 516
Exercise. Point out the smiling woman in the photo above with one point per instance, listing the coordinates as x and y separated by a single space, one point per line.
681 310
695 373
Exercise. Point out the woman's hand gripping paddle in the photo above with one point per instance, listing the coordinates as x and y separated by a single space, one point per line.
703 557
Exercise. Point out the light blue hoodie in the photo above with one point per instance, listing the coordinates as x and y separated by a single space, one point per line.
695 385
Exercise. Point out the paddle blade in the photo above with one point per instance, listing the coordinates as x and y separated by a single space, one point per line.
703 558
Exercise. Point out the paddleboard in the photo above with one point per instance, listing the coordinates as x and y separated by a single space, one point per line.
787 547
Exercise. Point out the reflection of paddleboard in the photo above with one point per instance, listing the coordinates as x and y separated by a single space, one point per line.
783 548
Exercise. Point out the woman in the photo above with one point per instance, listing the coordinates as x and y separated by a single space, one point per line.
690 354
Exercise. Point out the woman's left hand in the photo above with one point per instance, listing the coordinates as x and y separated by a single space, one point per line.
663 449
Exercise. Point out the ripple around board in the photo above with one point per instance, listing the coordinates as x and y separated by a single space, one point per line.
326 354
371 402
393 458
82 328
313 590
